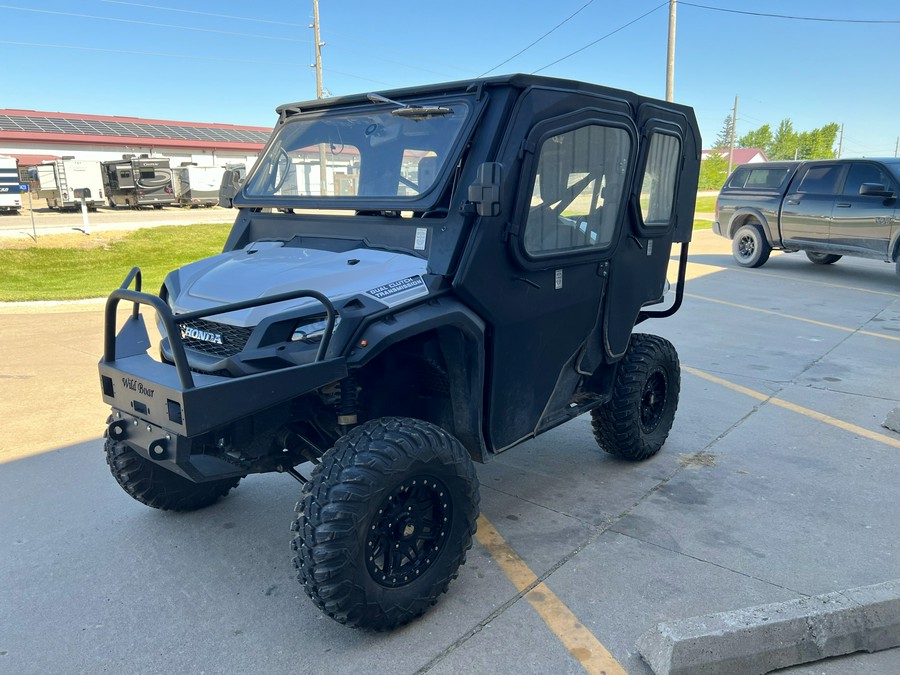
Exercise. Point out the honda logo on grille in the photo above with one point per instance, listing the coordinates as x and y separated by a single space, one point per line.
202 335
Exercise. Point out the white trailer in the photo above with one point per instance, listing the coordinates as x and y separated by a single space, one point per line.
60 178
197 185
10 194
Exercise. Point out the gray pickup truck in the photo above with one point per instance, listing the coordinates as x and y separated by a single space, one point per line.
825 208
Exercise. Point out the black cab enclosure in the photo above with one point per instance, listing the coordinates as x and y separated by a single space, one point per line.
415 279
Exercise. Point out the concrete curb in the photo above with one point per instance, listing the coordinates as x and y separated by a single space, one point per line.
761 639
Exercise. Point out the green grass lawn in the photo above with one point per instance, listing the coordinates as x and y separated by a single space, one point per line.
705 204
73 269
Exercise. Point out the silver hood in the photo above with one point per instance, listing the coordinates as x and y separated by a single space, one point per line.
269 268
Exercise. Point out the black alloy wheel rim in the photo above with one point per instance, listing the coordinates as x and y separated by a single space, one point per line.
746 246
653 400
409 531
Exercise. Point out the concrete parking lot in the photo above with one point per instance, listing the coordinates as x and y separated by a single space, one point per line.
777 482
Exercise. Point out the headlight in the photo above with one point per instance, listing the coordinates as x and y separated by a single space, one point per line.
312 329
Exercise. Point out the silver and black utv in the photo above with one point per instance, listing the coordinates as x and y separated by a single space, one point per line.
416 279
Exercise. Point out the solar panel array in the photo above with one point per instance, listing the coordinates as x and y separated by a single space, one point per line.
85 127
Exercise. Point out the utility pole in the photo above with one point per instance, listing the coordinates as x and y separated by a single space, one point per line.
841 142
670 55
733 130
323 165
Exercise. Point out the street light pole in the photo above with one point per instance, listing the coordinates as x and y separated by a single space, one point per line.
670 55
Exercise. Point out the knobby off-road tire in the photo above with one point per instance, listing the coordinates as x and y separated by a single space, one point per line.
822 258
385 522
749 246
636 421
158 487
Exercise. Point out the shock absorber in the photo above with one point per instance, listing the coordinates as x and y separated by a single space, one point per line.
347 408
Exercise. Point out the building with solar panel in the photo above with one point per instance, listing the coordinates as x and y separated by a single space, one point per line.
34 137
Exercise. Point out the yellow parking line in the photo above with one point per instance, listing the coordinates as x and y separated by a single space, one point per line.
800 410
846 329
775 275
580 642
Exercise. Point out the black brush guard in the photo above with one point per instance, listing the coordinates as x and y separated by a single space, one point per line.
156 403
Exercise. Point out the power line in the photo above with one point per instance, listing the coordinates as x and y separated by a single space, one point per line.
179 56
191 11
522 51
611 33
787 16
149 23
293 25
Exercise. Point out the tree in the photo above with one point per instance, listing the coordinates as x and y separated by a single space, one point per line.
759 138
818 143
786 142
723 140
713 172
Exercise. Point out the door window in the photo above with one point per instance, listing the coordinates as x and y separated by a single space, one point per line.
865 173
821 179
658 185
578 189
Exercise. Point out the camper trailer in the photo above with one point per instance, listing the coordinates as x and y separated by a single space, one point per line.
138 181
60 178
197 185
10 195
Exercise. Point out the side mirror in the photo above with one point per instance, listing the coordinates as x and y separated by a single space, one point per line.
875 190
485 191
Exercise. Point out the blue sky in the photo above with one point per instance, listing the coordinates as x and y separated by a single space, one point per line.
233 62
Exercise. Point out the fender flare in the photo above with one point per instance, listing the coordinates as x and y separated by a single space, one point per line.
461 335
743 214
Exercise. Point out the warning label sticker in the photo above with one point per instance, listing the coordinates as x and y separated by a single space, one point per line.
400 291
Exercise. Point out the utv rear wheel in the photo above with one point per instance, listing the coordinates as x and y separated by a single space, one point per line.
822 258
155 486
385 522
749 246
635 423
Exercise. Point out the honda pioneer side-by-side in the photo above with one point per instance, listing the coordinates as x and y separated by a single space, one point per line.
416 279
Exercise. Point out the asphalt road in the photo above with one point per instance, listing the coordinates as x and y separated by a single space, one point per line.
777 482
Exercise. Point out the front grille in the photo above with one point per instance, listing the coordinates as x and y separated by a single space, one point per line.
203 336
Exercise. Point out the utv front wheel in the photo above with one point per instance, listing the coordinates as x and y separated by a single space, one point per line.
635 423
385 522
158 487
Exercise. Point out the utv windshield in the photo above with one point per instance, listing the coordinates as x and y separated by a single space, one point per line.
363 156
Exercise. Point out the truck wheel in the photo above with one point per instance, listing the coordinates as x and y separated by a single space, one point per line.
635 422
385 522
158 487
822 258
749 246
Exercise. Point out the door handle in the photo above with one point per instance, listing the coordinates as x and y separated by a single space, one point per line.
843 205
792 202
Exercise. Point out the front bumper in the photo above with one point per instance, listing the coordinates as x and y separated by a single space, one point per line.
159 408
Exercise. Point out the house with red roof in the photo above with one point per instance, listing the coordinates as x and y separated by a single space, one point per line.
741 155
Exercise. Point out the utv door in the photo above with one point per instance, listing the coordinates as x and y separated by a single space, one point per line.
538 273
